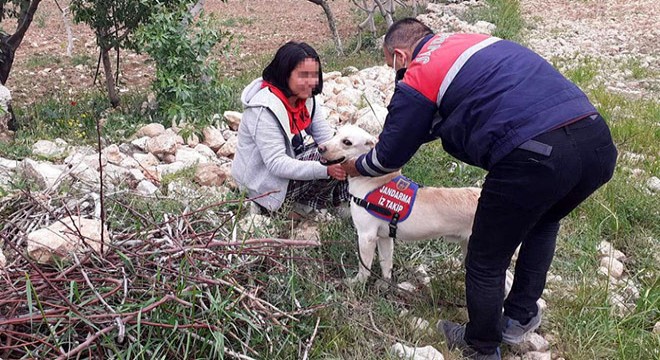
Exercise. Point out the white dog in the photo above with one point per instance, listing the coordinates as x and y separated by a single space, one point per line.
435 212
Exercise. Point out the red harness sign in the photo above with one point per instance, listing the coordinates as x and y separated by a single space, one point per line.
398 196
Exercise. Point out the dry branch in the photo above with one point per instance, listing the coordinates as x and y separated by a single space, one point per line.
134 282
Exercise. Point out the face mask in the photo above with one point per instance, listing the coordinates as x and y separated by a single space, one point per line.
398 74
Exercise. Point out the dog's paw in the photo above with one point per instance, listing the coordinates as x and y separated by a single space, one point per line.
383 284
357 280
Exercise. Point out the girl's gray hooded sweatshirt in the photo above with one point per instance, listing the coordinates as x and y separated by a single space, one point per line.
264 159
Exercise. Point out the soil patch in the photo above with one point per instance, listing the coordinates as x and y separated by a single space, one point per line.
43 68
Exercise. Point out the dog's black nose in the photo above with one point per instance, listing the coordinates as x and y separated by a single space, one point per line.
322 149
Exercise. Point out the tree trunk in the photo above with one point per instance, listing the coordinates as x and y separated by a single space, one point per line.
9 43
109 78
386 9
196 8
332 23
6 58
69 32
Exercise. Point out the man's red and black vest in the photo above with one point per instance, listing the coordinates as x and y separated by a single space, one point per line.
481 95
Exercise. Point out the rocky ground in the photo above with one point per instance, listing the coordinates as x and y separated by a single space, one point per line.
619 34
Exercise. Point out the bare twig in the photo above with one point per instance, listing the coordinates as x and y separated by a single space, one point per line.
107 329
311 339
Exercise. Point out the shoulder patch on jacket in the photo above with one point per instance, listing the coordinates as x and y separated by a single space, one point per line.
439 61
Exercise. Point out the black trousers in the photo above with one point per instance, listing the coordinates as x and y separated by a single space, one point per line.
524 197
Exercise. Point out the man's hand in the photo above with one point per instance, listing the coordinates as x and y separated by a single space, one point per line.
349 167
336 172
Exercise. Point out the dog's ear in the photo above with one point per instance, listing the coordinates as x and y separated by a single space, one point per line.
371 142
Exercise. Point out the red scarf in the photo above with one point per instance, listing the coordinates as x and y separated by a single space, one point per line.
299 118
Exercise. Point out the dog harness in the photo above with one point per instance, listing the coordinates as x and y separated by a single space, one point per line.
392 201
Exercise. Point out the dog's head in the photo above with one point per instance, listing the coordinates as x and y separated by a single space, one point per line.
349 142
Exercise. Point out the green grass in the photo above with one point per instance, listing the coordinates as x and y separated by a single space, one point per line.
42 61
504 14
637 70
236 21
583 73
83 59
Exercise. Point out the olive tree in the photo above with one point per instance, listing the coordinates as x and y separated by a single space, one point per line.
332 23
114 23
23 11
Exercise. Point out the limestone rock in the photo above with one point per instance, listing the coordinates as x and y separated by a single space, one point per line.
206 151
48 149
615 267
150 130
65 236
307 230
407 286
233 119
45 175
169 169
412 353
163 144
371 119
190 157
113 154
129 162
83 172
229 182
146 160
229 147
6 135
653 184
605 248
192 140
254 222
141 143
330 76
6 164
532 342
168 158
145 187
349 70
210 175
419 323
213 138
537 355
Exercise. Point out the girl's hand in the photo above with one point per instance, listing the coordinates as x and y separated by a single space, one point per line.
336 172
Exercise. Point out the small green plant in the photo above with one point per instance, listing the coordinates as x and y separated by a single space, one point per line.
504 14
42 60
236 21
40 19
187 84
583 72
82 59
637 70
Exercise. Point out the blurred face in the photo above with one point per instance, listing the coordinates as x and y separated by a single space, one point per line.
304 78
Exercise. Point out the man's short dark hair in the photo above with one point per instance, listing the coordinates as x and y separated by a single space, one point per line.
405 33
286 59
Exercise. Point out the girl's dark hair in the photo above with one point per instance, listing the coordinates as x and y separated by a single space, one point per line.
286 59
